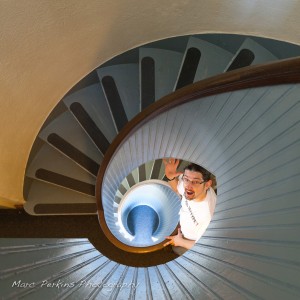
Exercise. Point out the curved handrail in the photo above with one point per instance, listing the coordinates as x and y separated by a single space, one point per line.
273 73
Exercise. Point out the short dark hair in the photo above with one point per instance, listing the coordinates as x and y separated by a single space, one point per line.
196 168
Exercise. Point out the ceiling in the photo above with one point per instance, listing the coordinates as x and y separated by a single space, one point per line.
46 47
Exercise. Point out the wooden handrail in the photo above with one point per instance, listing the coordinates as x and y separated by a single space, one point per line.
273 73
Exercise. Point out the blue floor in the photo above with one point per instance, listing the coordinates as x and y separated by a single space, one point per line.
142 221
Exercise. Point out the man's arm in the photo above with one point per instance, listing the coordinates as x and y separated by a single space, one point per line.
173 184
179 240
171 173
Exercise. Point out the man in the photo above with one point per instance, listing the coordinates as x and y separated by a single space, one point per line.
198 201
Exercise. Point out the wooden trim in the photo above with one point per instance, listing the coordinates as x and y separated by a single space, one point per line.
274 73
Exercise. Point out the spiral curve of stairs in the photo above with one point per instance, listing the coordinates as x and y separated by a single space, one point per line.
248 138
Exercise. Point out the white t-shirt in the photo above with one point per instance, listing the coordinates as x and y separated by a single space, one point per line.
195 216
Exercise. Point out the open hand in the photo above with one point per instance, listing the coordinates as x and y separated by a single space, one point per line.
171 165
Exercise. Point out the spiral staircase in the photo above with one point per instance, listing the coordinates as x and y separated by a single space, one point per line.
110 133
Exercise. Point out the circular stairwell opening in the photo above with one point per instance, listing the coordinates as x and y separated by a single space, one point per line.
147 213
146 210
142 222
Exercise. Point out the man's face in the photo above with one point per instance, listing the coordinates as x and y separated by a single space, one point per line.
194 186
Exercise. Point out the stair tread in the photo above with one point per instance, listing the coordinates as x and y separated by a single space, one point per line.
126 78
213 59
94 102
167 65
45 193
68 128
261 54
52 160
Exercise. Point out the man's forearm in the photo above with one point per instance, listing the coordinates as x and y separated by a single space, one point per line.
188 244
173 184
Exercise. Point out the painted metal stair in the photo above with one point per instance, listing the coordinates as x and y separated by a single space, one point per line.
78 133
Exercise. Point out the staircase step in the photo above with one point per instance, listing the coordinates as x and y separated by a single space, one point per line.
73 153
50 159
45 198
158 170
164 66
67 128
142 173
120 84
250 53
90 127
201 60
94 103
130 180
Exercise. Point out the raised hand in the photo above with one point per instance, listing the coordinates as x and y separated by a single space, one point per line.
171 165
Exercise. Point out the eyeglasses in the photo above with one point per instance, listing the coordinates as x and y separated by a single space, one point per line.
192 182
